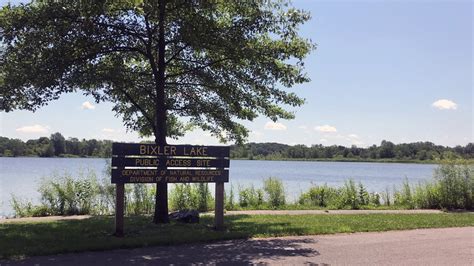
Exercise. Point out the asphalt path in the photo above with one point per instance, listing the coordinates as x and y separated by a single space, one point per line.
446 246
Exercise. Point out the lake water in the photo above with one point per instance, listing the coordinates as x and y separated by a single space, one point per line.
21 176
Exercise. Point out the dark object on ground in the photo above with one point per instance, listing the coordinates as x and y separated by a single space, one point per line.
185 216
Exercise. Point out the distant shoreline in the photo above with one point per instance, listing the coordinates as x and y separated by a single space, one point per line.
343 160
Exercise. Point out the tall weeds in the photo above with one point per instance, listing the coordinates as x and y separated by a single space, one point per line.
451 188
191 196
274 192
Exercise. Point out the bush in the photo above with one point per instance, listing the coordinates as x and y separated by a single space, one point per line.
191 196
363 195
349 196
68 195
204 197
320 196
179 197
456 185
140 199
229 200
374 199
275 192
386 197
451 188
404 197
20 207
250 197
65 195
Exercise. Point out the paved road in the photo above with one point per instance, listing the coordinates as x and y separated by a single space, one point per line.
449 246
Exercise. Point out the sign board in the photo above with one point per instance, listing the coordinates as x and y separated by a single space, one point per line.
150 163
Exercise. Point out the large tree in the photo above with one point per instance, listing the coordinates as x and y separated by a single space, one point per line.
211 63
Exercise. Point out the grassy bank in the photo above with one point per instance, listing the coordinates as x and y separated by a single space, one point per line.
40 238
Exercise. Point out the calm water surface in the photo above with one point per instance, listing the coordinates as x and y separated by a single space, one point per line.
21 176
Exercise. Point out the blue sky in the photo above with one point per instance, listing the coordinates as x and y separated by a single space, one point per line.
394 70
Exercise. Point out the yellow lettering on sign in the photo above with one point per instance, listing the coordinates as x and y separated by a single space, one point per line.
142 149
184 179
203 178
173 150
203 163
141 179
178 163
171 179
157 150
196 151
147 162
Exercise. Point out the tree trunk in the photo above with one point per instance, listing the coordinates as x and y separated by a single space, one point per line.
161 200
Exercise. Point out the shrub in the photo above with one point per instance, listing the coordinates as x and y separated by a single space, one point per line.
275 192
404 197
140 199
20 207
320 196
191 196
386 197
204 197
179 197
374 199
229 199
65 195
363 195
349 196
456 185
250 197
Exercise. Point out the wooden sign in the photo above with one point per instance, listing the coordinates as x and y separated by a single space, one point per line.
150 163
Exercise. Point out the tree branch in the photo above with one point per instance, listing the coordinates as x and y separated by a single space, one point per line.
123 29
176 54
196 69
130 98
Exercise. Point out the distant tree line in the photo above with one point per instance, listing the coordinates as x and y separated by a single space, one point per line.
57 146
385 151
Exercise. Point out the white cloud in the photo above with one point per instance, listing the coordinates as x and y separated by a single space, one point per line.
323 140
33 129
326 129
108 130
87 105
274 126
354 139
303 127
444 104
256 134
357 142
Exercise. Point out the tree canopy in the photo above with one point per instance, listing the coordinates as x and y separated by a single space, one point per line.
212 62
215 63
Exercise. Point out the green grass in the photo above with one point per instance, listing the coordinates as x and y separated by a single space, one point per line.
40 238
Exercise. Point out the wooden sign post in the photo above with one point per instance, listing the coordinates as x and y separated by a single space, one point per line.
149 163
